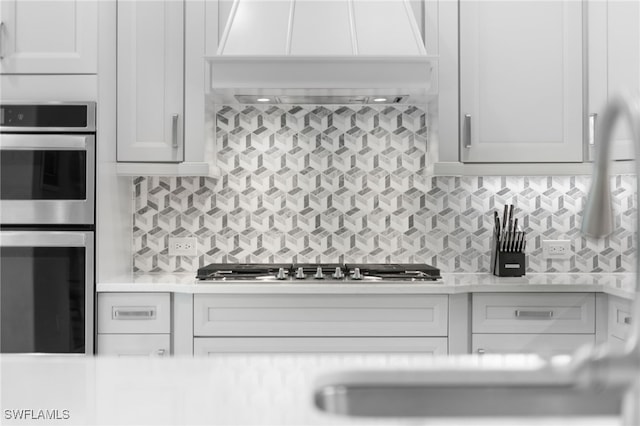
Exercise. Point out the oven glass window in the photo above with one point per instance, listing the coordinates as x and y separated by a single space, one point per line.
42 299
42 175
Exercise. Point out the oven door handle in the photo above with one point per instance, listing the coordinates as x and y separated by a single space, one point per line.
45 142
45 238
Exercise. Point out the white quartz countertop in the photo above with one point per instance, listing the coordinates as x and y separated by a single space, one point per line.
617 284
258 389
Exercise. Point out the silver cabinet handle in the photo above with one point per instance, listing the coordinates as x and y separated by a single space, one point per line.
1 40
174 131
467 131
592 128
133 313
160 352
627 320
481 351
534 314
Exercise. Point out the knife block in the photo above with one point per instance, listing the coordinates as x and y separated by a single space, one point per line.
509 264
506 263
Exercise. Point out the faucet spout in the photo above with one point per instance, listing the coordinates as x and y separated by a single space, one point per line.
602 365
598 212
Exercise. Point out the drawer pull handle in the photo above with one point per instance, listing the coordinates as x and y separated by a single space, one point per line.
481 351
627 320
137 313
534 314
160 352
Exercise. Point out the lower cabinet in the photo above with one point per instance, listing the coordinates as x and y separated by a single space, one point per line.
207 346
315 323
619 321
140 324
134 324
541 323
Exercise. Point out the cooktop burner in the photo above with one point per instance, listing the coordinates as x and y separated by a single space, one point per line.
315 272
244 271
393 271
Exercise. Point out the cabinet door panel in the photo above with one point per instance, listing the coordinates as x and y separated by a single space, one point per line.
521 81
614 65
48 37
320 315
541 344
134 344
216 345
147 313
150 81
533 313
619 317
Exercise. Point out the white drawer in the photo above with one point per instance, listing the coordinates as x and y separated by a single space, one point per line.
320 315
541 344
533 313
206 346
619 317
134 344
134 313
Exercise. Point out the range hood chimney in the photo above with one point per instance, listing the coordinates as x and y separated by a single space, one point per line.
321 52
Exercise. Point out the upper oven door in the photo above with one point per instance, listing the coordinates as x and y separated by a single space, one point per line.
47 179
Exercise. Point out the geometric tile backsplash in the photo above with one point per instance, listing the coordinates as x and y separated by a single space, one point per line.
349 184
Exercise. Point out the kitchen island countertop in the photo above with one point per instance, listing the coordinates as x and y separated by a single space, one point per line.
617 284
249 389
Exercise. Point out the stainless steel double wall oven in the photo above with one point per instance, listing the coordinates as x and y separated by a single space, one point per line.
47 219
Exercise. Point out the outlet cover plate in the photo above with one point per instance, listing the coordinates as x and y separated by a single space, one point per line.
556 249
183 246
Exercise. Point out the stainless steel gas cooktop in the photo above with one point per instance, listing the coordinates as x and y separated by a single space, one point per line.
319 272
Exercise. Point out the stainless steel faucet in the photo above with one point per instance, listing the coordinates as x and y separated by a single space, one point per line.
601 365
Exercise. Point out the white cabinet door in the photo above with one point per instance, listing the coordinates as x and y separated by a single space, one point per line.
521 81
150 81
541 344
48 37
619 318
322 315
148 313
534 313
134 344
614 65
205 346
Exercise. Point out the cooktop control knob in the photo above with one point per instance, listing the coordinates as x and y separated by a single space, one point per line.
319 275
338 273
300 273
356 274
281 274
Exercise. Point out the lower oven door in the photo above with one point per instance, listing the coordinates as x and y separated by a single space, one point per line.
46 291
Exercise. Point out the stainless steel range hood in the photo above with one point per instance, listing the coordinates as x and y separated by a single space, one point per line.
321 52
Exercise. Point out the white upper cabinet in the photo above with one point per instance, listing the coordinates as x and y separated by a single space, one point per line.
614 64
521 81
150 81
48 37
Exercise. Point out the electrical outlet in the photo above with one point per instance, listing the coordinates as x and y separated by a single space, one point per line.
556 249
185 246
